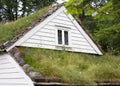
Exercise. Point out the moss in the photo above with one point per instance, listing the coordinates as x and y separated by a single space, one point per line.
11 29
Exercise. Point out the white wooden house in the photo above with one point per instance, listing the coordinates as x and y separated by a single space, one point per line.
11 74
58 31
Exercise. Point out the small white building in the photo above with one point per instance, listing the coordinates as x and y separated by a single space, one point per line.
11 74
58 31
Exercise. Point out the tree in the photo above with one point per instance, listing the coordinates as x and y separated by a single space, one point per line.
102 19
11 10
109 23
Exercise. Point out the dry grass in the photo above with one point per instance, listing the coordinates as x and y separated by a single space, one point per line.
73 67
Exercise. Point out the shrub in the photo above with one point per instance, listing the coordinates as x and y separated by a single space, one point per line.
109 38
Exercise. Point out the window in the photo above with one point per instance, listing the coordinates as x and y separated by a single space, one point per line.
63 37
66 37
59 36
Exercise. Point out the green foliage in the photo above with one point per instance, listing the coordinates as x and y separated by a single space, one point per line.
11 29
109 38
11 10
90 24
73 67
108 23
102 18
79 7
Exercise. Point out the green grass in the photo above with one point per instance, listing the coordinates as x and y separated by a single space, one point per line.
11 29
73 67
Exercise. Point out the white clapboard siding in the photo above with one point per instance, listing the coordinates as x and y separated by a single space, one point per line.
62 18
36 37
11 74
40 41
62 14
44 35
84 50
46 46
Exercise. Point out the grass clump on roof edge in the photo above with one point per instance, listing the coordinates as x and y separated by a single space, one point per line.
11 29
73 67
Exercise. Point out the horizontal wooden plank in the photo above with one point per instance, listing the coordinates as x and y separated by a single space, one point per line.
8 65
77 39
36 37
75 32
8 70
43 30
4 68
13 80
80 43
4 61
62 22
49 26
63 18
45 34
62 14
3 58
12 75
14 84
73 35
83 50
82 47
40 41
38 45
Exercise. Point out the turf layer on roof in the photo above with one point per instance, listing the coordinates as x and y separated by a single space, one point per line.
10 29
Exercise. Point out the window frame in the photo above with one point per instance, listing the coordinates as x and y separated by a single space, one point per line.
63 29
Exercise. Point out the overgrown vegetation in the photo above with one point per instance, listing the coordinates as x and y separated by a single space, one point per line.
11 29
73 67
102 19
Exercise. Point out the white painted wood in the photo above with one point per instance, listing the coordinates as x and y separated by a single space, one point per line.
36 37
80 43
11 74
59 24
46 46
44 30
62 18
57 21
44 35
40 41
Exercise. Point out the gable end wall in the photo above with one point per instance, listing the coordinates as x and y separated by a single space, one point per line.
44 34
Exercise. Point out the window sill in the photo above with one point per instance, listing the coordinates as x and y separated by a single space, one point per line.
63 46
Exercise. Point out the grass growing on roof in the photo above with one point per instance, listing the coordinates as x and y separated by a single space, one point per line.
73 67
11 29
